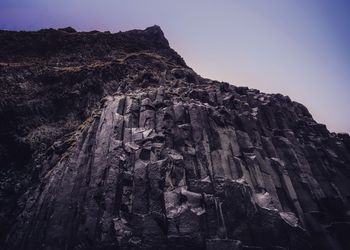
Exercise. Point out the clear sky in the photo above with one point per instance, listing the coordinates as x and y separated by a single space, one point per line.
299 48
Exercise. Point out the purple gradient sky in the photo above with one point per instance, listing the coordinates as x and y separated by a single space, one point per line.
297 48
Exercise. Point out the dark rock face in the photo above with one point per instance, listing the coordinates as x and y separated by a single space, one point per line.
109 141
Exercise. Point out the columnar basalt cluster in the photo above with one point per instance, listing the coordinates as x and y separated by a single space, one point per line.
109 141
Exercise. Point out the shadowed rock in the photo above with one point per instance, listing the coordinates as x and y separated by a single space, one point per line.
110 141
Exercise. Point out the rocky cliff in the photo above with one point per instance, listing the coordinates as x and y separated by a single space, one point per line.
110 141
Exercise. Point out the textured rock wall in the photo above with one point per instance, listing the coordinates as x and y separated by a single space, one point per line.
169 160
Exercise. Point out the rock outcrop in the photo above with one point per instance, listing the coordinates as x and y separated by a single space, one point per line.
110 141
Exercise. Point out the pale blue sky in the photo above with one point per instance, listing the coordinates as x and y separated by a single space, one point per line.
298 48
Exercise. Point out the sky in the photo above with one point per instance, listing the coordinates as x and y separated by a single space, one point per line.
299 48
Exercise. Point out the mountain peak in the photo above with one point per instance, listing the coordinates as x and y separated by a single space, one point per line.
155 28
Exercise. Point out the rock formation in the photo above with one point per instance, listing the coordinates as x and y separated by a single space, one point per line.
110 141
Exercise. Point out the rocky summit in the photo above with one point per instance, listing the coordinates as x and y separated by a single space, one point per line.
110 141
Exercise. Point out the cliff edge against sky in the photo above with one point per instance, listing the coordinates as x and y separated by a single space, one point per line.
110 141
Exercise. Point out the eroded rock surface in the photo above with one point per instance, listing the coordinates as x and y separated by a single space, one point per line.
109 141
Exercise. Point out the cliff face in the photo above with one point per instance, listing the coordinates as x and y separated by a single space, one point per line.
109 141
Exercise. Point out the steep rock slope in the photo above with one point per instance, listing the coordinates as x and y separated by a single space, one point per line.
109 141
